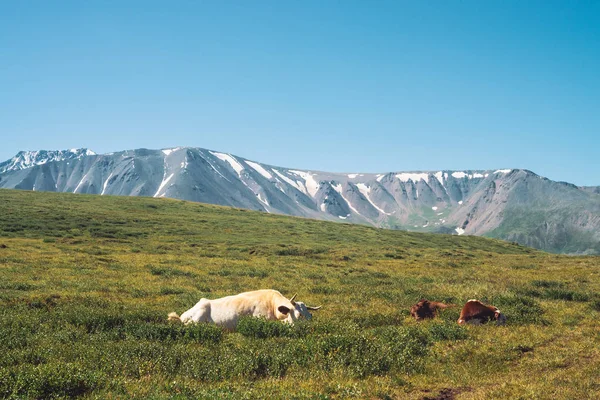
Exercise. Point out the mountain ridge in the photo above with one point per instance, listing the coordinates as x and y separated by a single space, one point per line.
28 158
479 202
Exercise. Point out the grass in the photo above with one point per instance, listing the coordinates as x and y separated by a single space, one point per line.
86 283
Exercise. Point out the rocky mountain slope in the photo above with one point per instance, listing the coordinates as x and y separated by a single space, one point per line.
26 159
591 189
511 204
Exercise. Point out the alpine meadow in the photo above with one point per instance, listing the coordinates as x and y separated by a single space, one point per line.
87 282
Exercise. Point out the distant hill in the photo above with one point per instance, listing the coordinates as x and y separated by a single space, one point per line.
510 204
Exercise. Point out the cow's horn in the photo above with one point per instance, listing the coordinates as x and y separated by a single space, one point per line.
293 297
313 308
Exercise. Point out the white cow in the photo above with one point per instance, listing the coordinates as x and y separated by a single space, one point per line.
226 311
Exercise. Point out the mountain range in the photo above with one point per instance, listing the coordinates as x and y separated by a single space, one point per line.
510 204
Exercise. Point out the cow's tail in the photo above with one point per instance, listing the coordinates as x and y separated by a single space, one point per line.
174 317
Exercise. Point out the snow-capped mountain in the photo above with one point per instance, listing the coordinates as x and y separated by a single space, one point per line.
26 159
511 204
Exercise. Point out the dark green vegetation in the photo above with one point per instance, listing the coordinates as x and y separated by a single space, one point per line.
86 283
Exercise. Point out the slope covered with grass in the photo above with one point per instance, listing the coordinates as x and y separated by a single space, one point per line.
86 283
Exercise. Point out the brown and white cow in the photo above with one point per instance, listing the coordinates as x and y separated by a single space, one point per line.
475 312
425 309
226 311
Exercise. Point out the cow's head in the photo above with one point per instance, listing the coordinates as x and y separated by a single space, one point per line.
292 310
500 318
422 310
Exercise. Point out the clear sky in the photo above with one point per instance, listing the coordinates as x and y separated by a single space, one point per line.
344 86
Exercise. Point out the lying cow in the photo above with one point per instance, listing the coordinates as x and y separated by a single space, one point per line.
226 311
425 309
475 312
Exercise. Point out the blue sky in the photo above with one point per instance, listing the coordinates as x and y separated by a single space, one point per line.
346 86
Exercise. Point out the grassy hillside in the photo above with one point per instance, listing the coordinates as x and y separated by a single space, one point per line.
86 283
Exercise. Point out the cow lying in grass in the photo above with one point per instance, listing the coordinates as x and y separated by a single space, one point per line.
425 309
475 312
226 311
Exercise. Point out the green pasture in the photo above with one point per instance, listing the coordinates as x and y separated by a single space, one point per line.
86 283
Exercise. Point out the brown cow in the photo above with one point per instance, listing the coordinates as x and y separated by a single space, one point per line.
427 309
475 312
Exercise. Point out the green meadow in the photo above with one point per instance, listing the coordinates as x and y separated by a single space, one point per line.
86 283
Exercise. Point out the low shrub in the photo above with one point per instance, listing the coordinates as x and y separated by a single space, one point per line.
448 331
519 309
525 266
546 284
375 320
49 381
23 286
323 289
565 294
169 272
408 347
356 354
551 290
261 328
301 251
171 290
201 333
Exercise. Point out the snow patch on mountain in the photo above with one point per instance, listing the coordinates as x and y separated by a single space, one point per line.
297 184
80 182
459 175
259 168
231 160
162 185
106 183
169 151
311 185
415 177
338 188
366 190
214 169
265 202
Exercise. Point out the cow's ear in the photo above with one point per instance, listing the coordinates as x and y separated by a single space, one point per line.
283 309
